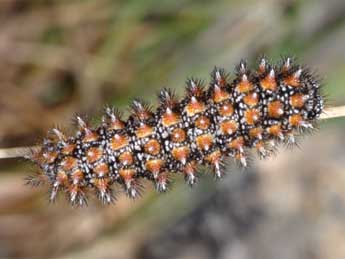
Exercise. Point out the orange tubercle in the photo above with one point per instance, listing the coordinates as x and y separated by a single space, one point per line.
275 130
220 94
127 174
295 120
101 169
126 158
214 157
269 82
204 142
181 153
237 143
90 136
203 122
68 149
226 110
194 107
154 166
77 175
94 154
178 135
170 118
116 124
118 141
245 85
69 163
297 100
256 132
252 116
275 109
251 99
228 127
144 131
294 79
152 147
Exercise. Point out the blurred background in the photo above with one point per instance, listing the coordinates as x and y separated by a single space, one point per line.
60 57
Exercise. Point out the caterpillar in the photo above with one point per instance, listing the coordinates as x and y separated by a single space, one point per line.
256 110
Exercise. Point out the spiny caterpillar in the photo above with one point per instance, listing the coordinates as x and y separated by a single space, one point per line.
256 110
